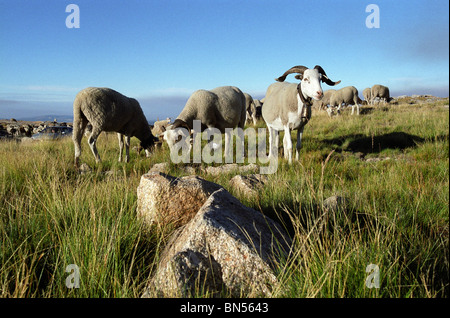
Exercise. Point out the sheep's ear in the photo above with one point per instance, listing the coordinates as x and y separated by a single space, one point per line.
180 123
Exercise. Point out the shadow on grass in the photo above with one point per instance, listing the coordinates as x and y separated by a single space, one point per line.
375 144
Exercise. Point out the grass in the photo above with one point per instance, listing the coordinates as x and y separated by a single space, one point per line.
397 215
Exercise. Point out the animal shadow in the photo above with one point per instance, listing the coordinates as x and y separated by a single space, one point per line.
395 140
375 144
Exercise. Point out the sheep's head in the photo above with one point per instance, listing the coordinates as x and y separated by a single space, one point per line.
310 80
148 144
177 133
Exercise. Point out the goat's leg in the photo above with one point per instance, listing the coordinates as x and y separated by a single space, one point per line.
299 143
273 142
287 144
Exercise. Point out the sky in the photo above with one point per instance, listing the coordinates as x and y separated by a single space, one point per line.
160 52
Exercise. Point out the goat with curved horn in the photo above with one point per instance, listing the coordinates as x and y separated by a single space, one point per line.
287 106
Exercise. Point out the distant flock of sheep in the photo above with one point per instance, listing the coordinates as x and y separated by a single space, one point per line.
286 107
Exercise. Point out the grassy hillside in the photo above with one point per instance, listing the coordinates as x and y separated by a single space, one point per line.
391 164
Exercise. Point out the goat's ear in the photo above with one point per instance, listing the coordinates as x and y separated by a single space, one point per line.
299 77
163 128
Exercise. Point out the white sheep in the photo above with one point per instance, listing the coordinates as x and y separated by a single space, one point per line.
323 103
366 95
253 109
108 110
250 109
347 95
287 106
220 108
159 126
379 91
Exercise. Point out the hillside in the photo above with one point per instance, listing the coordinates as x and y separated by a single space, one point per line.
391 164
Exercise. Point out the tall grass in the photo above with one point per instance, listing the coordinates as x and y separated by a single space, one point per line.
396 217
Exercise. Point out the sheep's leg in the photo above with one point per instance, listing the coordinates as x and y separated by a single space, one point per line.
240 151
287 144
357 109
355 101
127 148
255 121
78 131
228 138
92 143
120 137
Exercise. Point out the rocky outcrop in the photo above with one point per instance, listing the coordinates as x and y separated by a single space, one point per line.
14 129
226 249
248 185
231 168
163 199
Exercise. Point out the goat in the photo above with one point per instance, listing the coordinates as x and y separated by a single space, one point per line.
287 106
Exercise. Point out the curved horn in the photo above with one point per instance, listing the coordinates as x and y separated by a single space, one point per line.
325 78
296 69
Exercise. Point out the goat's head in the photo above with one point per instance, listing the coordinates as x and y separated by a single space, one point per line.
179 131
310 80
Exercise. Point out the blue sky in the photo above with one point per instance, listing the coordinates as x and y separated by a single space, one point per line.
161 51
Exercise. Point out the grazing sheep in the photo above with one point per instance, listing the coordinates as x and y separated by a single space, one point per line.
381 92
253 109
347 95
222 107
287 106
108 110
323 103
250 109
366 95
159 126
258 106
